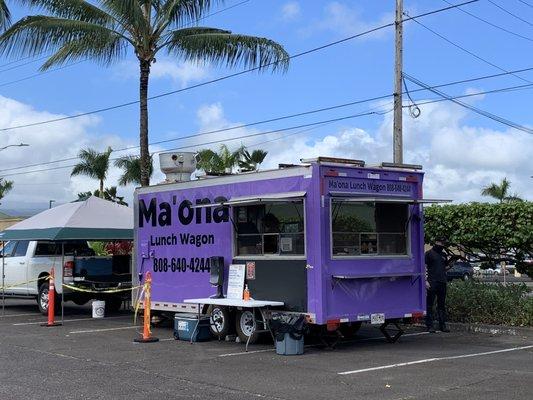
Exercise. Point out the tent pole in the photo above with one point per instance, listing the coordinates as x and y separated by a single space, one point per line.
62 282
3 282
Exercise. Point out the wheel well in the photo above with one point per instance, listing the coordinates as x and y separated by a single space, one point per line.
42 278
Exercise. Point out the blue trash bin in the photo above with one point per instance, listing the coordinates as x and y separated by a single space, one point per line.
289 334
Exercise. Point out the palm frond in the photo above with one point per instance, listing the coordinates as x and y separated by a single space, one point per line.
5 15
228 49
130 16
175 13
131 167
5 187
94 164
37 34
73 9
104 49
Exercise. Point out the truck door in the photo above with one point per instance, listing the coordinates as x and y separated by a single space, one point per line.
16 268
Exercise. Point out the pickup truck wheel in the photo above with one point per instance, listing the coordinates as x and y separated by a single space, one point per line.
42 299
219 320
246 326
466 277
113 304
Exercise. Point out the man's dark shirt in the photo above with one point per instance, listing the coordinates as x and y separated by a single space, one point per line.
436 266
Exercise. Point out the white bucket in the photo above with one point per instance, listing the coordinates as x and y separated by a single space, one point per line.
98 309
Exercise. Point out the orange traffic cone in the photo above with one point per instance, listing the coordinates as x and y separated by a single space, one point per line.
51 301
147 333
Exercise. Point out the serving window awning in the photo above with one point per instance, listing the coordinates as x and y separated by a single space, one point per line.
403 200
263 198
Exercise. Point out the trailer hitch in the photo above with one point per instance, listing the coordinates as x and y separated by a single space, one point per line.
399 331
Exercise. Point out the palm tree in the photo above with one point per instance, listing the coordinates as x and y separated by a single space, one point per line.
131 166
218 163
109 194
500 191
251 162
104 30
94 165
5 187
5 15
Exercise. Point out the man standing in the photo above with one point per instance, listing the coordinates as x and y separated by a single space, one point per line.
437 263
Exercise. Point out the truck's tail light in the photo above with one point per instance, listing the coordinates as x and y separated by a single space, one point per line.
417 316
68 268
333 324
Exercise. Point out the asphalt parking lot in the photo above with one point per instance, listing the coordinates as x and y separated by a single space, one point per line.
97 359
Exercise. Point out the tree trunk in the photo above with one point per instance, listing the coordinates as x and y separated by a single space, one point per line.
143 135
101 189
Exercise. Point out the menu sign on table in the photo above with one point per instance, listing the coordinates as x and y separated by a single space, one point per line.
236 281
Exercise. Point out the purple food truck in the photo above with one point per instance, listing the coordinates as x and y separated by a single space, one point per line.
333 239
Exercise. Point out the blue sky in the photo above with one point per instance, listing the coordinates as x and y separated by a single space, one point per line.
359 69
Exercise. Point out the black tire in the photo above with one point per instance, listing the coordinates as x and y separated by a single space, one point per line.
113 304
80 301
42 299
350 329
246 326
219 320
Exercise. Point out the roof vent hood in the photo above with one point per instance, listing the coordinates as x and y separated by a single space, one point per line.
177 167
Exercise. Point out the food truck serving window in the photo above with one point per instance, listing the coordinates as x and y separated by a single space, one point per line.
368 228
270 229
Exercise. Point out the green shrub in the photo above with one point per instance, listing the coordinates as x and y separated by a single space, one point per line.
475 302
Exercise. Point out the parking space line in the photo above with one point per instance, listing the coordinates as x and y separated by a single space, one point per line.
71 320
104 329
242 353
17 315
428 360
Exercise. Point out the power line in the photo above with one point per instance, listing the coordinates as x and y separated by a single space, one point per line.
233 75
241 126
501 90
20 59
443 96
24 64
41 73
526 3
280 118
469 52
479 111
223 140
509 12
490 23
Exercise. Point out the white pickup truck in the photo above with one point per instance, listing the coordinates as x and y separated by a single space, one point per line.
28 263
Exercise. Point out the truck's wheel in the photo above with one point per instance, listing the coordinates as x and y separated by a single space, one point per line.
219 320
113 304
80 301
42 299
246 326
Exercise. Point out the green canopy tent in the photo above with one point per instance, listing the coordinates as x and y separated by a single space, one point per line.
92 219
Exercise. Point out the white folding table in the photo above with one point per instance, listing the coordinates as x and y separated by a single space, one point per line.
261 305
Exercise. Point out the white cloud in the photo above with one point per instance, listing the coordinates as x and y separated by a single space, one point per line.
49 142
290 11
346 20
181 73
458 159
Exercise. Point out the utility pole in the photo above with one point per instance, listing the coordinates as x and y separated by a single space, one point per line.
397 139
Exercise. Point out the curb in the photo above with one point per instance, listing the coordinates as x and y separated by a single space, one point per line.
492 329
